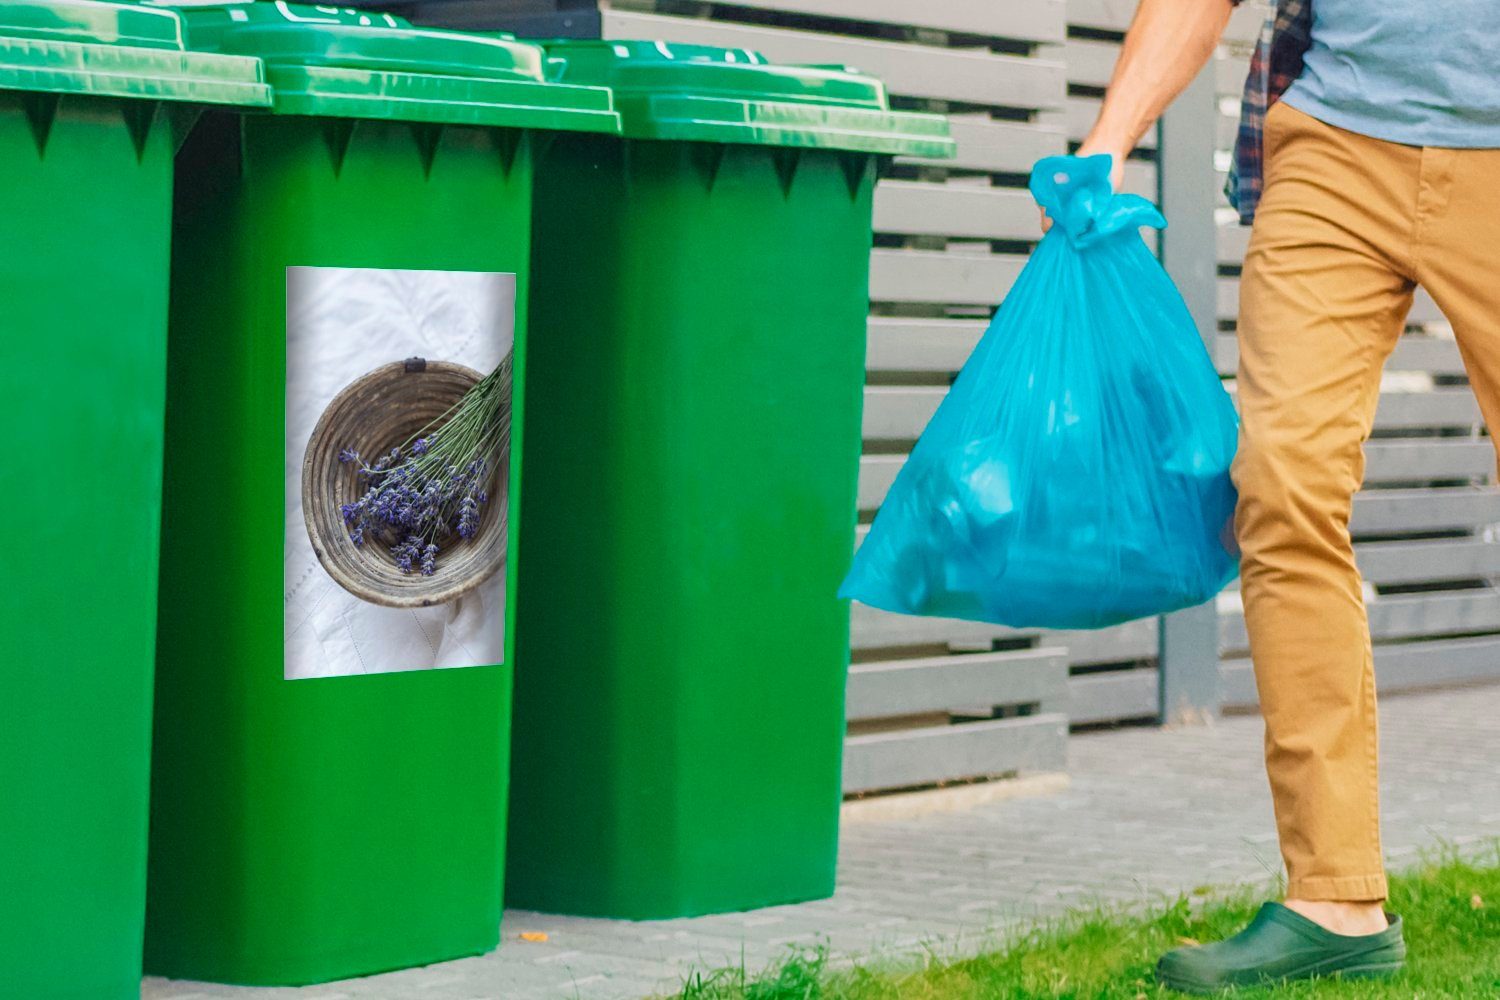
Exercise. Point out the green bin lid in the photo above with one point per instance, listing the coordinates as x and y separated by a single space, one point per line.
116 50
358 64
703 93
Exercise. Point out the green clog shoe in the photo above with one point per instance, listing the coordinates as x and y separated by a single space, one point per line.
1279 946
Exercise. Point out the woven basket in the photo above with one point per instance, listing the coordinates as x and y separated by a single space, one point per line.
375 413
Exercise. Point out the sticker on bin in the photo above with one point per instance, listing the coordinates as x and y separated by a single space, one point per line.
398 416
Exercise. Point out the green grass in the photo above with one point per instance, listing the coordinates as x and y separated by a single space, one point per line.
1451 909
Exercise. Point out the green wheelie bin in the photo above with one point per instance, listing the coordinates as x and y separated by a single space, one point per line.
93 99
698 313
344 409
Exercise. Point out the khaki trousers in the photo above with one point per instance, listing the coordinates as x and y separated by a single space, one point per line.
1347 228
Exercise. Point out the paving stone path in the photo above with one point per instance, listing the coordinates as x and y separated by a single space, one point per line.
1147 814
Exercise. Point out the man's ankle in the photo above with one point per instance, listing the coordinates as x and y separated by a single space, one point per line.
1341 917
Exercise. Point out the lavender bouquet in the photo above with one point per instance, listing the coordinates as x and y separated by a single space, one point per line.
422 493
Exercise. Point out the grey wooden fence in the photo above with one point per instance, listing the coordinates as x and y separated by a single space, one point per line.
933 701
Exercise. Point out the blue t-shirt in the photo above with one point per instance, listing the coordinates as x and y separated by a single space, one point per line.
1418 72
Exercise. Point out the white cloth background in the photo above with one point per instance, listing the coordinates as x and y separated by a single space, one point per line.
341 323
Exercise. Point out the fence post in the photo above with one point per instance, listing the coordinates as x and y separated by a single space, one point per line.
1188 684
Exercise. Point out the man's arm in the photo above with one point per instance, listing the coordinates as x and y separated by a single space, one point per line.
1168 43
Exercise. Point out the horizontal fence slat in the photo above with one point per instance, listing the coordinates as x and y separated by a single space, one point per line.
1433 458
1393 511
1444 407
1423 351
1001 147
1427 561
960 278
1434 564
1414 352
1405 616
1090 61
916 757
899 413
1113 695
920 345
876 474
966 210
1410 617
1405 667
968 75
1436 408
873 629
1023 20
1137 640
931 684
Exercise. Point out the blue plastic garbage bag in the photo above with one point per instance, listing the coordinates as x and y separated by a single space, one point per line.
1077 474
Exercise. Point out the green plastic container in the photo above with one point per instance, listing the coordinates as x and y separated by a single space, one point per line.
309 829
699 301
93 99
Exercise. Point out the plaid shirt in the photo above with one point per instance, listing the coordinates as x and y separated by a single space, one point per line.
1276 63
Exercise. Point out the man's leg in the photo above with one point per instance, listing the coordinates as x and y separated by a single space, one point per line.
1327 285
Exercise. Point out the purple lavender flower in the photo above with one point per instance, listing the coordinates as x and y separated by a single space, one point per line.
347 455
419 446
405 553
429 559
468 518
379 468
